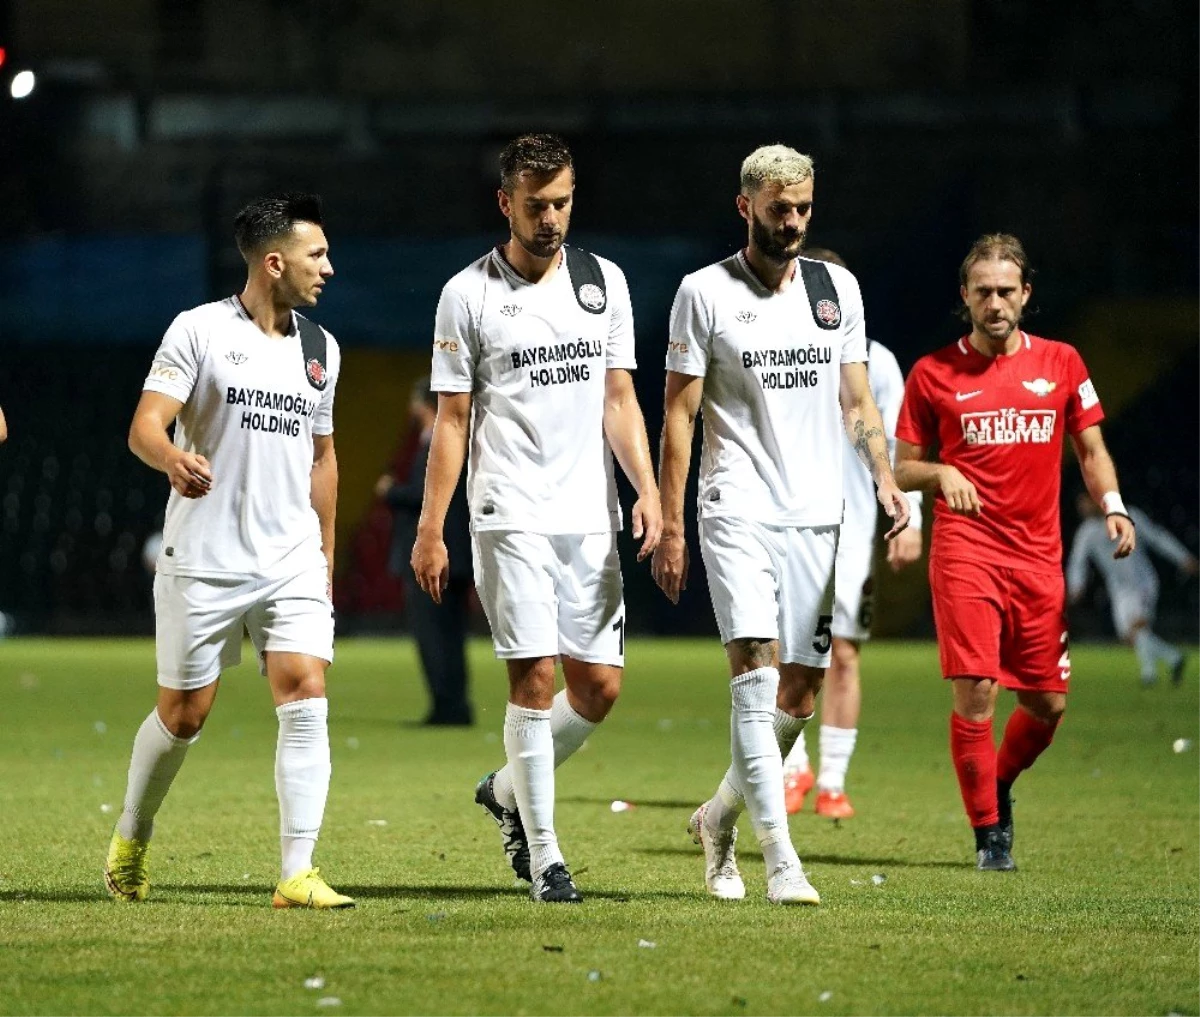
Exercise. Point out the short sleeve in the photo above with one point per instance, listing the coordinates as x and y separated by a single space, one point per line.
176 364
917 422
854 326
1083 405
690 331
619 352
455 344
323 421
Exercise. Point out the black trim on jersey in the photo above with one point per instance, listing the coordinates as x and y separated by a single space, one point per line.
819 286
584 269
313 349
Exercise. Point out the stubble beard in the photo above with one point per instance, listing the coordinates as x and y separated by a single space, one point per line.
771 246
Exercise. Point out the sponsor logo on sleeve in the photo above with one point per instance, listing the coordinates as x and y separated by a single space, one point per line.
1040 386
1009 427
677 347
164 371
445 345
829 313
1087 395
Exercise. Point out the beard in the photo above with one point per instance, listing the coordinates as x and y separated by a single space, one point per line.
541 245
997 330
781 245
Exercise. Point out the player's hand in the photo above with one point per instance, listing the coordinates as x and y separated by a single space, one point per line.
1122 530
647 523
431 564
896 505
189 474
905 549
959 492
383 485
669 566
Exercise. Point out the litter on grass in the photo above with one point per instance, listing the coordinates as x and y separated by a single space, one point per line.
1181 745
316 982
879 879
376 822
352 743
329 1001
825 997
594 976
106 808
647 944
620 806
100 727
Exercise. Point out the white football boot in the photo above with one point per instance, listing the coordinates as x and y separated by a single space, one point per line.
721 876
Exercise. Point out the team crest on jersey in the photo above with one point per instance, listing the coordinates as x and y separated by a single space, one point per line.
316 372
591 296
234 357
1040 386
828 312
510 310
745 317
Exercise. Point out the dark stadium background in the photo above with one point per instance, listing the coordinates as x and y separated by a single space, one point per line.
1073 126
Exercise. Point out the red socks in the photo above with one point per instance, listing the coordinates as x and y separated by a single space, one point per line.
1025 738
974 755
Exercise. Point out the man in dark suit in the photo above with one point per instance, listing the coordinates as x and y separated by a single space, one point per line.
440 629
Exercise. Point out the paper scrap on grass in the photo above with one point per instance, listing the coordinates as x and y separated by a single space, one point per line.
329 1001
879 879
106 808
647 944
1181 745
620 806
100 727
594 976
376 822
825 997
316 982
352 743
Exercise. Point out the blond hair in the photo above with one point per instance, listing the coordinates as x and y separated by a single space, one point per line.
774 164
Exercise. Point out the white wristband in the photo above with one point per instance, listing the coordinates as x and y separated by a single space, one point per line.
1113 505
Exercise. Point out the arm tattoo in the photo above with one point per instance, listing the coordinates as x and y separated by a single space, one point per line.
862 445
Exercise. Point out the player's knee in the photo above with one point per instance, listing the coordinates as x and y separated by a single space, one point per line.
183 720
751 654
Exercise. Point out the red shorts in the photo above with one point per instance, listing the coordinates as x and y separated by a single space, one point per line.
1002 623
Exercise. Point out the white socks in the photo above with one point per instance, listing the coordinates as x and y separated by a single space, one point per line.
157 757
757 762
1150 649
837 746
569 731
529 745
302 770
796 761
728 803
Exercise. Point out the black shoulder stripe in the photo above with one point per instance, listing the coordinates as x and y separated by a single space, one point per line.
587 280
822 294
313 350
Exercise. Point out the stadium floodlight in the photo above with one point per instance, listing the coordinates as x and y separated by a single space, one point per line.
22 85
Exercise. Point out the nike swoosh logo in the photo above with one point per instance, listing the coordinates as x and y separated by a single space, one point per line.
960 396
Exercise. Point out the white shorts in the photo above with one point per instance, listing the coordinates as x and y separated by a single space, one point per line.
199 622
772 582
551 594
1130 605
854 592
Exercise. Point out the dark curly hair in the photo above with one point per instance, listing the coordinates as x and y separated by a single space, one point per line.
540 154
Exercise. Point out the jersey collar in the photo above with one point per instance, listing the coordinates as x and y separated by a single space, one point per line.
245 316
966 349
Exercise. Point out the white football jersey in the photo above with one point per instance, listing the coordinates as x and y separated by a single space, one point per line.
773 431
249 408
534 358
862 505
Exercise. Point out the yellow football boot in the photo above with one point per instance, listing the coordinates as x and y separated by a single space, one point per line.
308 890
125 869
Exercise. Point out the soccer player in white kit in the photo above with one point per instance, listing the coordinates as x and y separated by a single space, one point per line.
532 352
773 346
853 601
1131 582
249 532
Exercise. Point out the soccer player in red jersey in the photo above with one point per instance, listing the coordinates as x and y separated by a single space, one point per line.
995 405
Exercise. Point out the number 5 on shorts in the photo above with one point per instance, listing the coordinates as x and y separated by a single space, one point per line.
822 638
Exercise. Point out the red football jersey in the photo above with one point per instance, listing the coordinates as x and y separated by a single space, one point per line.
1001 421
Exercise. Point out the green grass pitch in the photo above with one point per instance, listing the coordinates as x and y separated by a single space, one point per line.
1102 917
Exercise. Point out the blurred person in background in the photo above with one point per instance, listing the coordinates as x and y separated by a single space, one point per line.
1132 583
248 537
996 406
440 630
3 428
853 600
